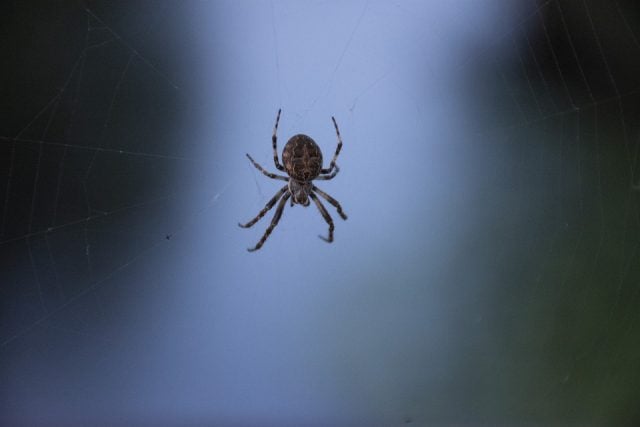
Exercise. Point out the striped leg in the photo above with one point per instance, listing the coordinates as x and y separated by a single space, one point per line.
331 175
269 174
338 148
266 209
274 222
326 217
331 200
274 141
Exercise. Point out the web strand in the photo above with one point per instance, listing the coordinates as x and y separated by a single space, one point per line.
132 49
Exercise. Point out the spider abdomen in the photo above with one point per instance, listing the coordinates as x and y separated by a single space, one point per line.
302 158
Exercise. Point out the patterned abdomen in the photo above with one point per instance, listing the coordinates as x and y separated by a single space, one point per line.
302 158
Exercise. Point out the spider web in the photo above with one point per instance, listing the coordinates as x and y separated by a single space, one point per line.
572 129
99 171
64 164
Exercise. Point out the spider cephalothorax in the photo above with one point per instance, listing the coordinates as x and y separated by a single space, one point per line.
302 160
300 192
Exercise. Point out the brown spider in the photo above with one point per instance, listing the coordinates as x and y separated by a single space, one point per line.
303 163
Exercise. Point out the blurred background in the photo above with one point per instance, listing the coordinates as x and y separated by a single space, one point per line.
489 269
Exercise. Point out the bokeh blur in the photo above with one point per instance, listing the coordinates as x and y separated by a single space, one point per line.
489 270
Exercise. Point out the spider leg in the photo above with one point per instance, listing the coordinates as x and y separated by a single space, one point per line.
331 200
338 148
331 175
266 209
274 141
274 222
269 174
326 217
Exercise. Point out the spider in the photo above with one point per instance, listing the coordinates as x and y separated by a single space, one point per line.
302 160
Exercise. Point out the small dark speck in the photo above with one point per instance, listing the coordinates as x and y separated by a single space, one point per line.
408 420
168 237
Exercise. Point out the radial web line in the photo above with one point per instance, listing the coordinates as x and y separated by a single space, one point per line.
339 62
573 51
54 266
34 191
91 218
512 95
555 61
600 195
95 285
15 139
626 24
7 192
616 90
132 49
8 139
545 118
105 125
98 283
277 55
540 73
43 306
523 67
516 27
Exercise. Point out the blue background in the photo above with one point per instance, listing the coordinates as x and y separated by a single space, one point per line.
488 271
